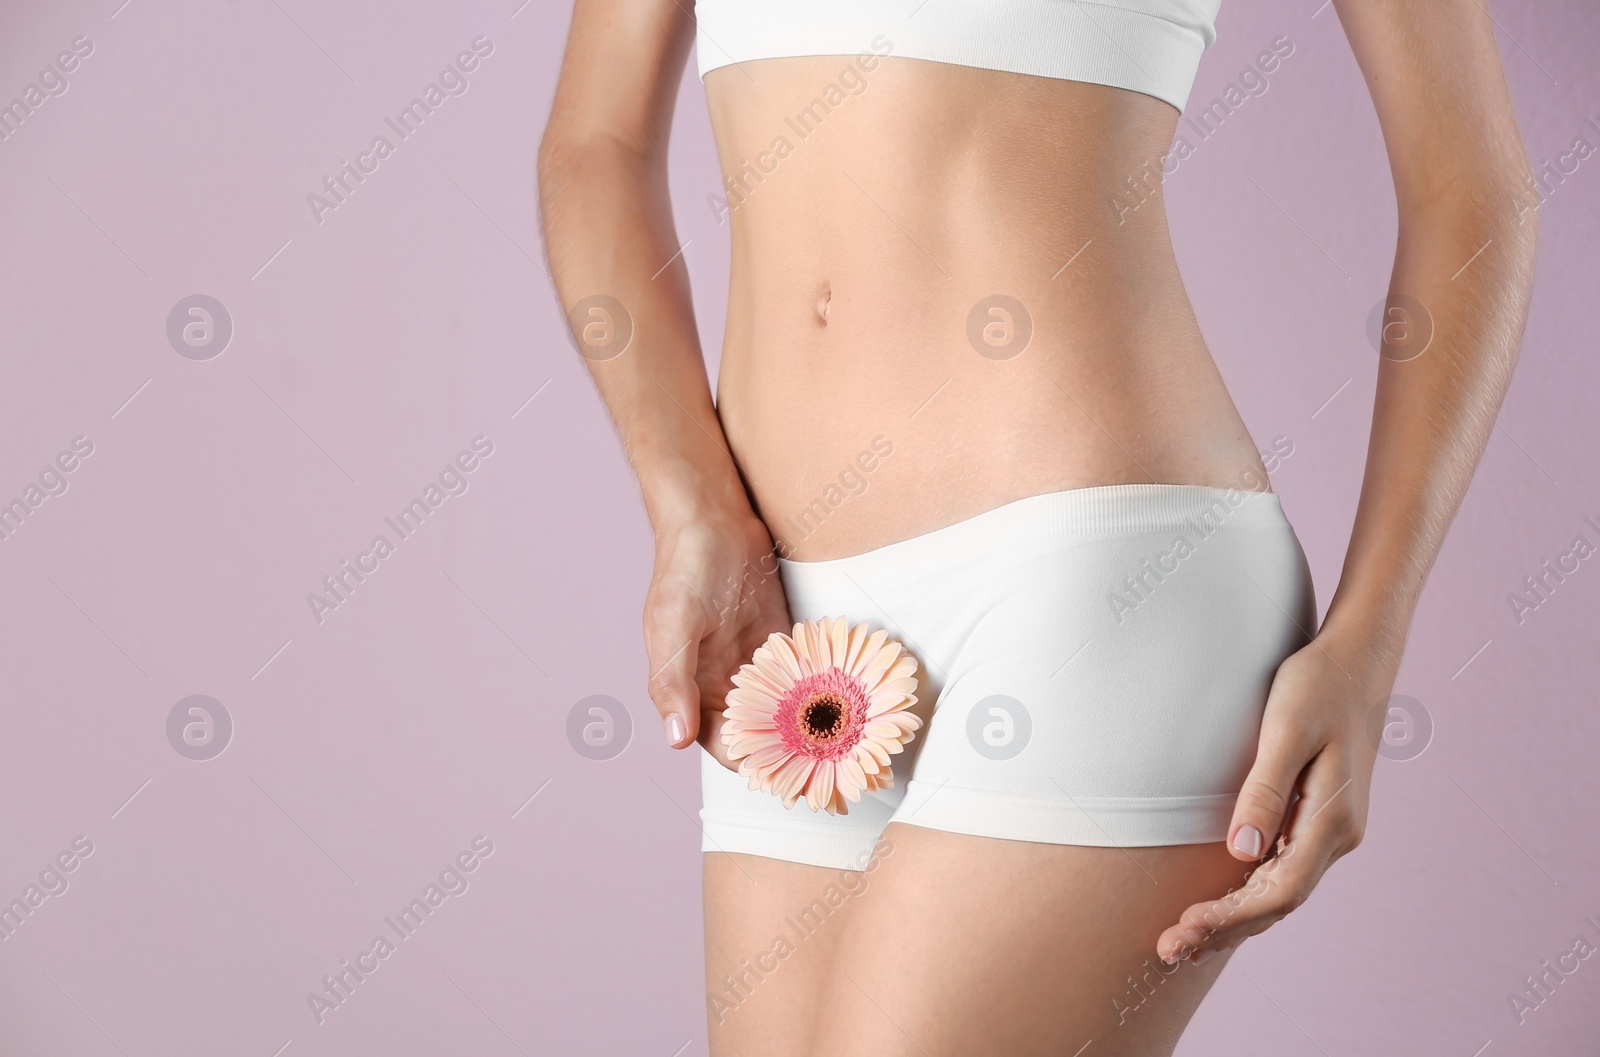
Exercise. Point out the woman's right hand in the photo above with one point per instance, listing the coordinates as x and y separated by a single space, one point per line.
714 597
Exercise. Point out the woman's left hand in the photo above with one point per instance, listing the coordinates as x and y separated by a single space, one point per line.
1317 740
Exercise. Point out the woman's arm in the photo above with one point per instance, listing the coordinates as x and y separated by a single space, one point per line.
618 270
1465 255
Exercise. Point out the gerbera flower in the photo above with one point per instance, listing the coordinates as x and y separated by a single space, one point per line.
819 714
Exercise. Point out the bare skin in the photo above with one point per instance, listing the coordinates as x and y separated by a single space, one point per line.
1115 385
960 945
857 262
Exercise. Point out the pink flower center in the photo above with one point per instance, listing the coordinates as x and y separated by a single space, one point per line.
823 715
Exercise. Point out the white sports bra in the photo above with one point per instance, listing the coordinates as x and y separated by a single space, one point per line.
1149 46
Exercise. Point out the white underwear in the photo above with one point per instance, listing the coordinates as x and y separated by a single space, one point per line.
1098 660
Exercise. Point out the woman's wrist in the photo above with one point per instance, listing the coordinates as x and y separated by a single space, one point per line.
685 492
1366 641
720 543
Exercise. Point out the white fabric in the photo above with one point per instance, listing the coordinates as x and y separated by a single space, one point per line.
1142 664
1149 46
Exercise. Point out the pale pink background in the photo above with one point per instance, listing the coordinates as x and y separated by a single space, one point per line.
370 749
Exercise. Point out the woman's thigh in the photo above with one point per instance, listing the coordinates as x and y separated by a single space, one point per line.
967 946
772 931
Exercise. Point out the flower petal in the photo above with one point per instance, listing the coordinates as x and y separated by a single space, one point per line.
880 662
905 667
839 643
850 774
749 744
884 729
878 752
784 652
820 646
870 648
790 779
857 643
751 701
752 683
900 694
819 790
769 757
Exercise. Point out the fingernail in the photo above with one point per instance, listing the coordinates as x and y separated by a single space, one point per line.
675 728
1248 841
1200 959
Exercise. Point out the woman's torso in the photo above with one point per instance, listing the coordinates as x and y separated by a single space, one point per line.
872 212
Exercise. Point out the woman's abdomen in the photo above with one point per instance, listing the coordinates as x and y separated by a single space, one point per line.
942 301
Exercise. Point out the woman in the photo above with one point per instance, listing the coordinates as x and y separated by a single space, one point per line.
964 399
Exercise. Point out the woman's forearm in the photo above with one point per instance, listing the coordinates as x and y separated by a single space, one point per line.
1467 262
619 272
608 231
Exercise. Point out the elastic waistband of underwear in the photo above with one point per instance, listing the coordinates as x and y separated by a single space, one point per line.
1074 515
